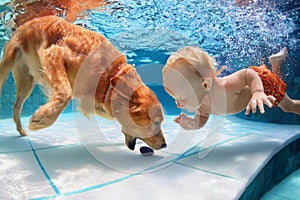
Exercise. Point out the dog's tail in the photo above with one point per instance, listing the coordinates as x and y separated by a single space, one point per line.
7 62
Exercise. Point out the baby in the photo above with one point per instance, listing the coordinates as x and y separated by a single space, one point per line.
191 79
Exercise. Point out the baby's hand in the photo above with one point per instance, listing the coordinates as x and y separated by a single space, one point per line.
259 98
186 122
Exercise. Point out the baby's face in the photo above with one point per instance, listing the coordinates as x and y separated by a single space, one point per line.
185 88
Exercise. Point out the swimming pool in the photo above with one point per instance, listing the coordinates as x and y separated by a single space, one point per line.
62 161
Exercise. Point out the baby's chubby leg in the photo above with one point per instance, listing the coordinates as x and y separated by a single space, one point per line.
290 105
277 61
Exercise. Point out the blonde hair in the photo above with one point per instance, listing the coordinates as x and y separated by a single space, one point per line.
197 58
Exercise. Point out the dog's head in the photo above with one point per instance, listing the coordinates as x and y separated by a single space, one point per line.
138 111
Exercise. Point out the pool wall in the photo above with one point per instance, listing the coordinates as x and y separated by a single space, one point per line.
281 165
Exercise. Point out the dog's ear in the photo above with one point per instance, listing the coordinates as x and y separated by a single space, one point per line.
126 84
156 113
122 87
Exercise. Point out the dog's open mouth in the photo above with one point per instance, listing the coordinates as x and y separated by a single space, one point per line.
155 142
146 151
131 145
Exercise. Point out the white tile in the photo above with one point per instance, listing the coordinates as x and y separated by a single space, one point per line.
74 168
21 177
10 139
62 132
179 140
87 158
284 132
240 158
53 137
174 182
10 142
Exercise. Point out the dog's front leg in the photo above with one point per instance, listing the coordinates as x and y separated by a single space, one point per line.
56 79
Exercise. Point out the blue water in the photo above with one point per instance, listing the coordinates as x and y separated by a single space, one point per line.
149 31
236 36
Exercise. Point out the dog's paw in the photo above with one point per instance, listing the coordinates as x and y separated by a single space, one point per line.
40 121
36 123
22 131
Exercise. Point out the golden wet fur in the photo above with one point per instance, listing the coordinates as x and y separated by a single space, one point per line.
69 61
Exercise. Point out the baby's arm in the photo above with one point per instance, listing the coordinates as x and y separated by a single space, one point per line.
259 98
188 123
248 77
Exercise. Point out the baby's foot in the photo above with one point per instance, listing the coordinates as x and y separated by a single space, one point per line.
277 59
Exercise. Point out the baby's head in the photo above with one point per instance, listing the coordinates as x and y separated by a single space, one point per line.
195 58
188 76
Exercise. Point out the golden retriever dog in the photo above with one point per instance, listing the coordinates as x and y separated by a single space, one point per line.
69 61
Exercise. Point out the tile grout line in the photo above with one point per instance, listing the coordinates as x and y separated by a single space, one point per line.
38 149
97 186
184 155
90 188
189 152
53 186
209 172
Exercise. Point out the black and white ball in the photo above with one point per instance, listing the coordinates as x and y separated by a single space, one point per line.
146 151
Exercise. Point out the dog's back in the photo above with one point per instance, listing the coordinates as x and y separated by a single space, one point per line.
46 33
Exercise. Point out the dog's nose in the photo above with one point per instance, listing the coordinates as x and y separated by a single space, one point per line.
164 145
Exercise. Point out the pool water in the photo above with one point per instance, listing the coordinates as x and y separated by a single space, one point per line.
149 31
78 158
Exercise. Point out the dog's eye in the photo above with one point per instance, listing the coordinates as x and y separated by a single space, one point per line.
157 123
156 126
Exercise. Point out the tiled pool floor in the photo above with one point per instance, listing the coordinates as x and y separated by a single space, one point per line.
77 158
